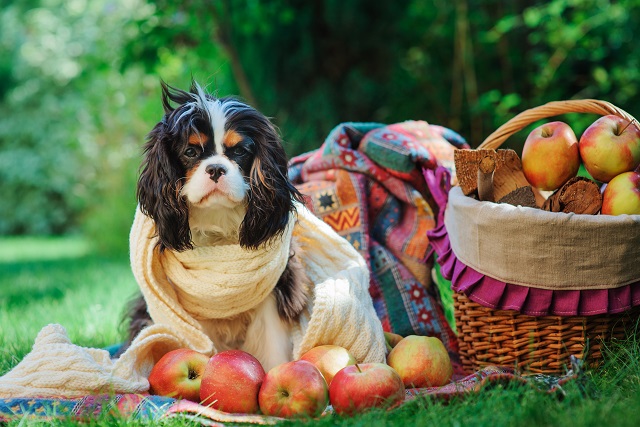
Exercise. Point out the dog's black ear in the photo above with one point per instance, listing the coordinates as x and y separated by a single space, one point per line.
159 189
271 196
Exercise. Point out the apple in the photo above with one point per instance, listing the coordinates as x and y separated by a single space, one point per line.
231 382
421 361
359 387
329 359
550 156
392 339
609 147
178 374
293 389
622 194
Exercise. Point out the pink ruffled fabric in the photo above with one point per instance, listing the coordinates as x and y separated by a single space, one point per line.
496 294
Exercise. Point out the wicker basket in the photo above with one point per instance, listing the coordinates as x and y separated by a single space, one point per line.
533 344
536 344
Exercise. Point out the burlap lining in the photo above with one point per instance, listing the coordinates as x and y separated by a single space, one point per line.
544 250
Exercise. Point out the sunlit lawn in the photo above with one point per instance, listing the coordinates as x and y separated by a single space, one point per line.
53 280
62 281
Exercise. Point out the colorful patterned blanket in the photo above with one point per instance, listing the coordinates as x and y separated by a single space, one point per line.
146 408
366 182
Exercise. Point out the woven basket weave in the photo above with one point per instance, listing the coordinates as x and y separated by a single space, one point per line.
536 344
533 344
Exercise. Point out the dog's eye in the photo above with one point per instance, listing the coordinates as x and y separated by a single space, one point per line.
191 152
238 151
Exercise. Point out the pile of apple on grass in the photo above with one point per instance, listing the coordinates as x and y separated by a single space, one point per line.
609 150
234 381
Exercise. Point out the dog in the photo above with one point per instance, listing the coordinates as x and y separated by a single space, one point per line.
214 172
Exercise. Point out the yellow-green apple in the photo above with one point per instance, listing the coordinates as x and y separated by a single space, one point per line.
392 339
550 156
329 359
178 374
294 389
609 147
622 194
359 387
421 361
231 382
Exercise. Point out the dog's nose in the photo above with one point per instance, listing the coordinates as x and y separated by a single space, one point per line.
215 171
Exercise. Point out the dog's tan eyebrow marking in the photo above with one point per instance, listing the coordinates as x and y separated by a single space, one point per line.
197 139
231 138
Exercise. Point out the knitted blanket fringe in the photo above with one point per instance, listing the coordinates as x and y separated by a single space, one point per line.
341 313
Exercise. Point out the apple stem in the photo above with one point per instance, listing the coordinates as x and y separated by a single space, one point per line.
358 368
625 128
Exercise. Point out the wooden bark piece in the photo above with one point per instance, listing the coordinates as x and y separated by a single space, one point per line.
579 195
466 162
521 196
486 168
507 177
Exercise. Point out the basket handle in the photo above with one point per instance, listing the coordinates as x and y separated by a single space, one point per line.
551 109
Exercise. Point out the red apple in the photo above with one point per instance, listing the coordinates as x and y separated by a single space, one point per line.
231 382
609 147
392 339
622 194
178 374
363 386
421 361
329 359
293 389
550 156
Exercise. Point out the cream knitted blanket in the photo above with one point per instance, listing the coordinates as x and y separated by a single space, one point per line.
341 313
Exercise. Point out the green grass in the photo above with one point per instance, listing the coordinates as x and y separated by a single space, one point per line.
51 280
62 281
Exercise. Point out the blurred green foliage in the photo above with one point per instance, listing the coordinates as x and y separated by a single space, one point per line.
79 80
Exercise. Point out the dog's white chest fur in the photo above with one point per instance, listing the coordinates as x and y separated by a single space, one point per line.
260 332
218 226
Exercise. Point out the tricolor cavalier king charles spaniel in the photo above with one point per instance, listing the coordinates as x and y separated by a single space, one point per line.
215 172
